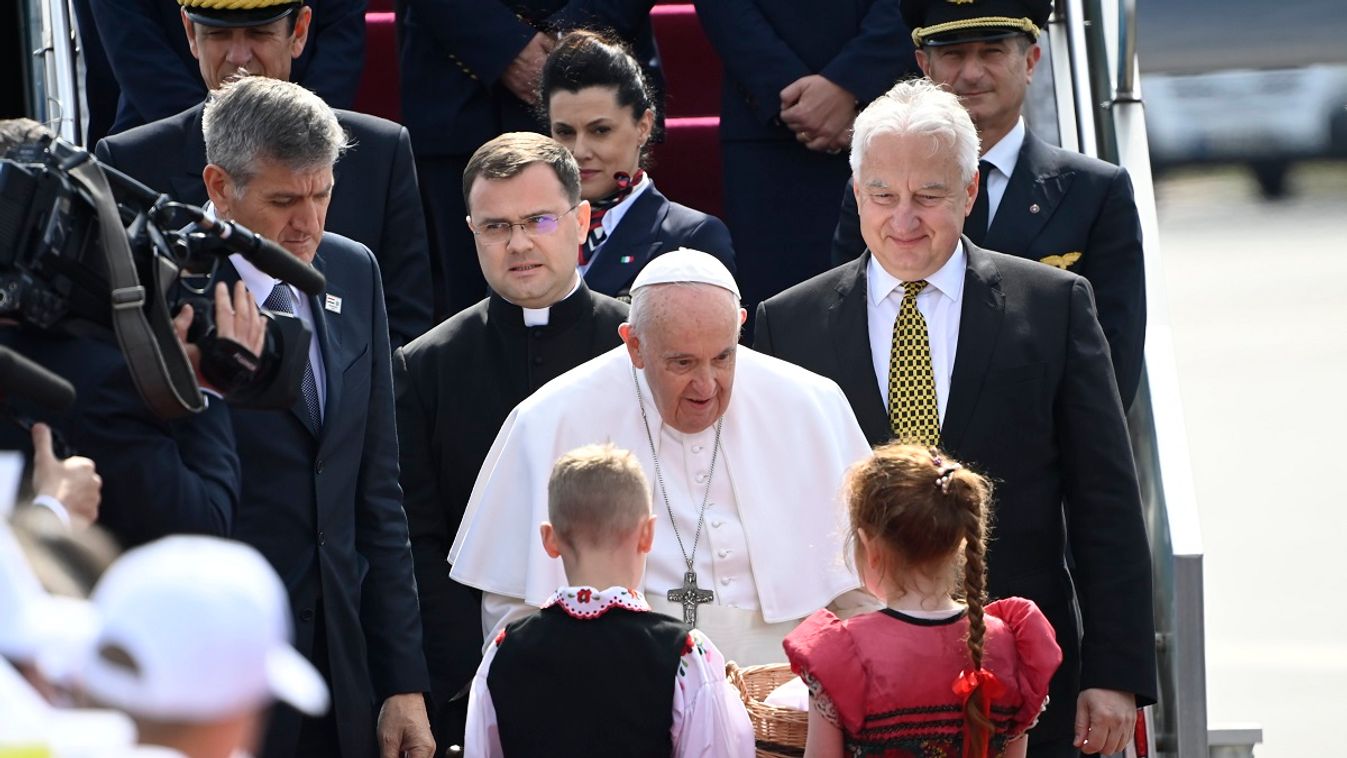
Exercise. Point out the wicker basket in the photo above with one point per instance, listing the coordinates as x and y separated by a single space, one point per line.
780 732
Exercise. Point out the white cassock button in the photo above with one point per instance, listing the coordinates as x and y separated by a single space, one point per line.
725 582
701 478
724 553
716 524
696 449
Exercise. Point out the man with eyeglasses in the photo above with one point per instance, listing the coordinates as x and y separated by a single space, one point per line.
457 383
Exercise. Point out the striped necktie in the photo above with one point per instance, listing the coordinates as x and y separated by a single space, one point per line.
914 414
281 301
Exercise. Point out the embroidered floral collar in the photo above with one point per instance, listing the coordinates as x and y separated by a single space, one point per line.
589 603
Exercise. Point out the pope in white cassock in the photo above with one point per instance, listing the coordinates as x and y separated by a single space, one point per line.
750 530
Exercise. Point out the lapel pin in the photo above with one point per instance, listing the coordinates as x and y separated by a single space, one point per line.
332 303
626 259
1034 208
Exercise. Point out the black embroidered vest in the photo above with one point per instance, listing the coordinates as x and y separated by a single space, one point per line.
604 687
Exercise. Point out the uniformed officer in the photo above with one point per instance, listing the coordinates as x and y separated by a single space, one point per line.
1035 200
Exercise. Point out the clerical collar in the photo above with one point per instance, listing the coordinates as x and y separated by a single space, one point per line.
948 279
1006 152
561 313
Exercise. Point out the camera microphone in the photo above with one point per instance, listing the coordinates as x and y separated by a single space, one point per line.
20 377
268 256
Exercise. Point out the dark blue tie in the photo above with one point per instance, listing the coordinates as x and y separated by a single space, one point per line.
976 225
281 301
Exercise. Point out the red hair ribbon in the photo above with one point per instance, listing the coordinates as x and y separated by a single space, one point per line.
964 686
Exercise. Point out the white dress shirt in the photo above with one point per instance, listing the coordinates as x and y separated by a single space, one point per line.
614 216
939 304
261 284
1003 156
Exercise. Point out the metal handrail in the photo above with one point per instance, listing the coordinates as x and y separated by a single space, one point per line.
1113 127
57 59
1125 89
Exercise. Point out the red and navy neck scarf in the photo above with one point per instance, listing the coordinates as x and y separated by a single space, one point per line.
625 184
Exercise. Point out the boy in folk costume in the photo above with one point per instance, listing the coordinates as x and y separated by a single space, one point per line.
596 672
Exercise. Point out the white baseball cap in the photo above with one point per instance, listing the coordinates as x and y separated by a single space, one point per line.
195 629
685 265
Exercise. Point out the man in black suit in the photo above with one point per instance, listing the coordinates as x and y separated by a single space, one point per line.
320 495
469 72
536 324
376 200
1036 201
1001 362
796 72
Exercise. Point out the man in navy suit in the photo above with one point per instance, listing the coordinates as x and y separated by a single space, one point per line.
1001 362
469 73
320 495
153 64
1037 201
376 200
795 75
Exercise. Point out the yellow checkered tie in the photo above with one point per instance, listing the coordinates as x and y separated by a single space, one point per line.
913 412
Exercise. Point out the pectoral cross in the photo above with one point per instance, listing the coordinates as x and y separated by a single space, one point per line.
691 596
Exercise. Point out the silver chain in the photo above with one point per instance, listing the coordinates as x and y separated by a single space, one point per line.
659 476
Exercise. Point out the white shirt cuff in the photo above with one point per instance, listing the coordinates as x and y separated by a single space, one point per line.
55 506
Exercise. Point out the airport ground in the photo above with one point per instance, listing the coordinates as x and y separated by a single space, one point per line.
1257 297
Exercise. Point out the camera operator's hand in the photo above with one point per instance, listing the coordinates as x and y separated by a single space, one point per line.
238 321
71 481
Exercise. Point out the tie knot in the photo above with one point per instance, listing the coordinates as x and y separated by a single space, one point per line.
280 299
985 169
912 289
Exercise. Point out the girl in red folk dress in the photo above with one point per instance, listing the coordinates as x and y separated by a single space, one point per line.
937 672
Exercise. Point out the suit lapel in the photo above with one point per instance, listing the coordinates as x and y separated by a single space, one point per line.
1035 189
635 239
848 321
188 185
979 330
331 344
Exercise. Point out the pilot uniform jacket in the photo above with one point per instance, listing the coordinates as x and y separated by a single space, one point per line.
780 197
455 387
325 508
1069 211
374 201
1032 405
651 226
454 52
147 48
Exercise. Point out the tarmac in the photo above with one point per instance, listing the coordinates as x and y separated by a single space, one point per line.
1259 316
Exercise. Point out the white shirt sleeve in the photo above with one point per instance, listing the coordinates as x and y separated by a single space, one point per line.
709 718
56 507
498 612
481 738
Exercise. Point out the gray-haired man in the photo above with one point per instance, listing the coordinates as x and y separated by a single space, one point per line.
320 481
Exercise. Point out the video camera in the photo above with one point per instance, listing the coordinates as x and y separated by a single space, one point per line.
83 245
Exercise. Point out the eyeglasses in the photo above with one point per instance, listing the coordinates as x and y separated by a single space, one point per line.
541 225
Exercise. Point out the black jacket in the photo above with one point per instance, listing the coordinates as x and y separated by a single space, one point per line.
654 225
325 509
